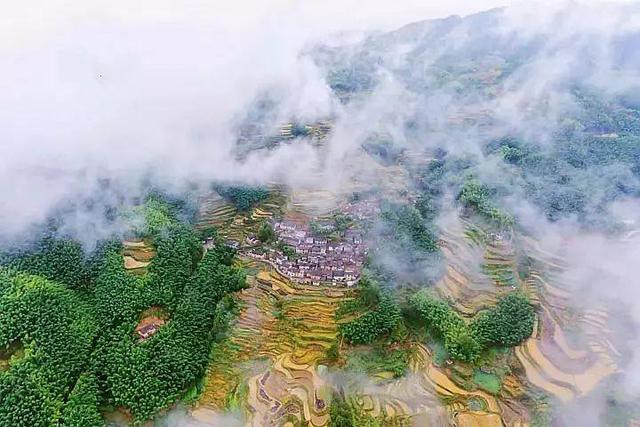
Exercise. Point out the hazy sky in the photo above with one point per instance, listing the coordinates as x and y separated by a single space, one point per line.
122 89
22 20
25 19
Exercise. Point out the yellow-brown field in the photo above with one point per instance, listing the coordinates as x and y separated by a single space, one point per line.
271 366
289 326
233 224
137 255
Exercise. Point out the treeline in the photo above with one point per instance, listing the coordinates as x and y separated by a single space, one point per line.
479 197
51 330
454 174
59 260
378 313
410 228
378 316
590 162
67 325
243 197
164 366
406 244
507 324
578 176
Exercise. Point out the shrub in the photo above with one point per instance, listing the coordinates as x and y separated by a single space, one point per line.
371 325
508 324
243 197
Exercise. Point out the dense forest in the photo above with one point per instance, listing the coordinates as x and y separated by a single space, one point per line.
569 161
380 316
68 321
243 197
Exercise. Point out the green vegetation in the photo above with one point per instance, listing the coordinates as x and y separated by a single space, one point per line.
73 322
81 408
287 251
381 314
342 222
266 233
57 330
561 179
344 413
321 229
368 297
349 80
409 226
373 324
157 215
379 359
171 361
375 320
407 235
487 381
445 322
208 233
507 324
333 228
501 274
243 197
382 149
60 260
333 353
477 196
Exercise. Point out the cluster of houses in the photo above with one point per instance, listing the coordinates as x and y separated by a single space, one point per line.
315 259
318 253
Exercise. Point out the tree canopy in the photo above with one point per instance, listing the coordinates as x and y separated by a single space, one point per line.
507 324
68 324
381 314
243 197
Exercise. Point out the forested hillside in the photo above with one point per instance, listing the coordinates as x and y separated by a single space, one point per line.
68 324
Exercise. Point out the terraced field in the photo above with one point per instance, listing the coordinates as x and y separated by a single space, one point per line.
290 327
137 255
436 394
233 224
480 267
469 255
571 352
271 365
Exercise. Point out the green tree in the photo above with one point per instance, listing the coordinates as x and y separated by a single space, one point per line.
340 413
81 409
208 233
61 260
379 321
243 197
461 344
507 324
477 196
57 330
266 233
442 319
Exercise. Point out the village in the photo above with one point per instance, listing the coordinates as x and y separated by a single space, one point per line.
318 253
